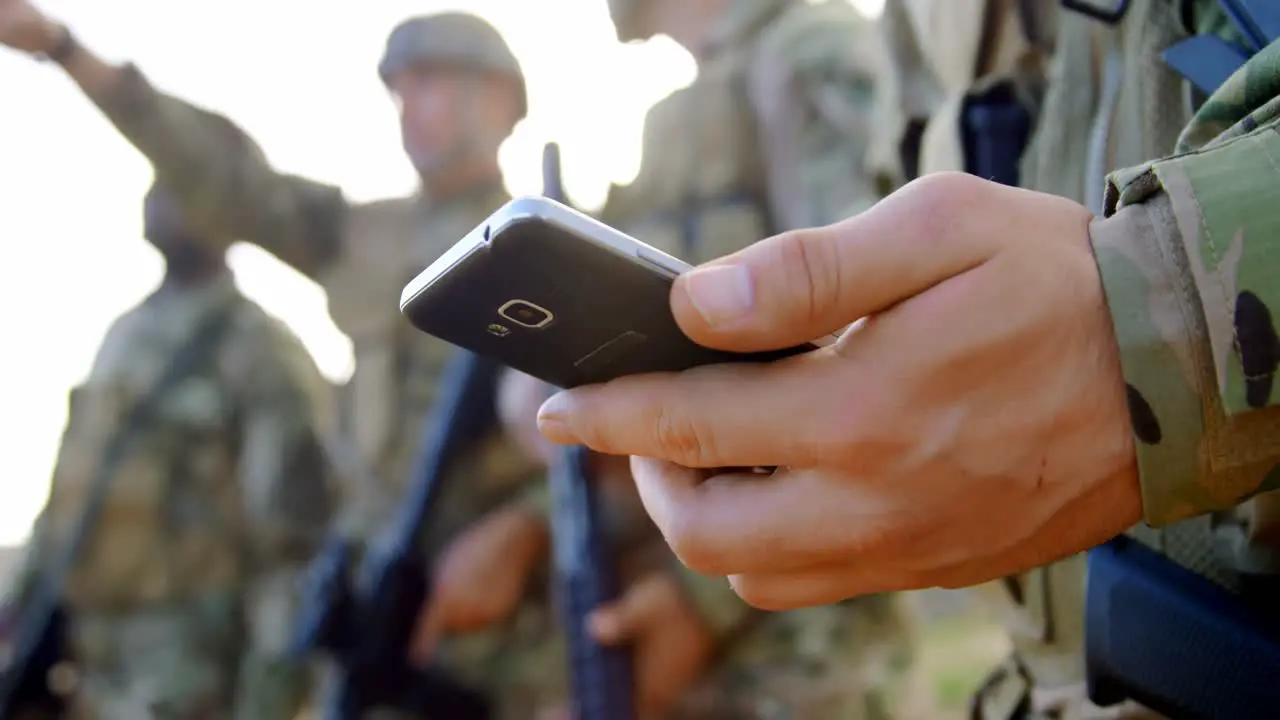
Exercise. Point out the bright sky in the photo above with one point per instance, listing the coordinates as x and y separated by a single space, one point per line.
299 76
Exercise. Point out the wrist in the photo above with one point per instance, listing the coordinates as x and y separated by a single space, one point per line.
59 44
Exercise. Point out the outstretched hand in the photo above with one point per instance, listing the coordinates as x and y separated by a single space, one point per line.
973 424
23 27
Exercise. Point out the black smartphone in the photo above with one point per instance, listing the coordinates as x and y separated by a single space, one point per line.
558 295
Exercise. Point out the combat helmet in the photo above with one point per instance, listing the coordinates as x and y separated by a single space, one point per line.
455 39
623 13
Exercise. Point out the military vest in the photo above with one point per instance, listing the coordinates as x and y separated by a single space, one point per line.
967 47
170 528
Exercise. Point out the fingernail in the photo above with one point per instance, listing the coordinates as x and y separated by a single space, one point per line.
721 293
553 418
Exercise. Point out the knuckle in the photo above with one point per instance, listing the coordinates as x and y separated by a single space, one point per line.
810 259
936 202
593 426
686 545
679 438
692 546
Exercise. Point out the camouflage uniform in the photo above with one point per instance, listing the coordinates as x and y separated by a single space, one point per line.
771 135
362 255
1188 257
181 602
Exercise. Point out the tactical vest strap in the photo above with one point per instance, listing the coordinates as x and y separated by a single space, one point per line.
1110 12
1005 693
1206 61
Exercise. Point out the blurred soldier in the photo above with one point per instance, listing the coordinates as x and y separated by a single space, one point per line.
770 136
180 603
459 91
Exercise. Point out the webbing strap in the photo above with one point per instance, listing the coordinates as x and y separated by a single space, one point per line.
1206 61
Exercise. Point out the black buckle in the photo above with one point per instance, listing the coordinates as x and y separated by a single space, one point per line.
1095 9
1022 709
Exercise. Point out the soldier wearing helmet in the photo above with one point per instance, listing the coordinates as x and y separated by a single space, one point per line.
459 92
771 136
177 604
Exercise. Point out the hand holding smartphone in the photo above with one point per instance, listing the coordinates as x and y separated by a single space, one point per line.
555 294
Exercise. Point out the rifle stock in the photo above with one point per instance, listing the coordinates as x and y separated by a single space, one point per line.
366 628
601 677
37 647
1157 633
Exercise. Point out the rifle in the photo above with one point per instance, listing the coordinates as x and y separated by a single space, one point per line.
1160 634
366 628
585 578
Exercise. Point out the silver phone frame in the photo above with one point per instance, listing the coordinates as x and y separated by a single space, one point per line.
534 207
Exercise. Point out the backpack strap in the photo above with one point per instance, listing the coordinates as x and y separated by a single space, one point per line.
1206 61
183 362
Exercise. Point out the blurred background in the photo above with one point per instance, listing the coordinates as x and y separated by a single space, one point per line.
299 76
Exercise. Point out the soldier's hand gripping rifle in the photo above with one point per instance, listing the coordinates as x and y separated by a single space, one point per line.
366 629
585 578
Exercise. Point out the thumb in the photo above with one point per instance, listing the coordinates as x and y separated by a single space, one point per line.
622 620
804 284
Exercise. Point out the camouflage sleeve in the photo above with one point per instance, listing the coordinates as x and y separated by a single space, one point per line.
287 484
229 190
1190 262
811 82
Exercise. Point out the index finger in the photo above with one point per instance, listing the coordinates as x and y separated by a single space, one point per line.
748 415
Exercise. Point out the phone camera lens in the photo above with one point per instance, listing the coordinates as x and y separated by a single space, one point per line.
523 312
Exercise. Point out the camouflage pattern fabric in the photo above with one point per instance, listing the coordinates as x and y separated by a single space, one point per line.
1202 261
771 135
179 602
845 661
362 255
